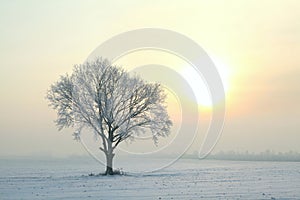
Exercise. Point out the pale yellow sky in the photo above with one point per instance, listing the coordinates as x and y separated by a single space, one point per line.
257 41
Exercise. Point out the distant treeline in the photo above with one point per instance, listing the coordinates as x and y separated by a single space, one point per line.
250 156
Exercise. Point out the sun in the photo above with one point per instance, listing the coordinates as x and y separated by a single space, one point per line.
198 83
192 77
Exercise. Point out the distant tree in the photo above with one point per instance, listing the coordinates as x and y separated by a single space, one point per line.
114 105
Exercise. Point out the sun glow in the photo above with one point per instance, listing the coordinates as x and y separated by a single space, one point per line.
193 78
198 83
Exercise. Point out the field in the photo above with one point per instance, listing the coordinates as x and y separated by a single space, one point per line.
186 179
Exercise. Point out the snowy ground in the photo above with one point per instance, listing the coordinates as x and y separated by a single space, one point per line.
187 179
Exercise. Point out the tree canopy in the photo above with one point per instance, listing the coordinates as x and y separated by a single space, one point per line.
113 104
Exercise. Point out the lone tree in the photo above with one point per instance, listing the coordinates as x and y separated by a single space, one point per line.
114 105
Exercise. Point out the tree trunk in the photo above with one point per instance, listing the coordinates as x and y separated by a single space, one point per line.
109 163
109 154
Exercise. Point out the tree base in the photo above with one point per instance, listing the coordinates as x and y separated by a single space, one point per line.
114 172
109 171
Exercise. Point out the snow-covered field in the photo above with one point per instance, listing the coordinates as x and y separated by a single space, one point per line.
186 179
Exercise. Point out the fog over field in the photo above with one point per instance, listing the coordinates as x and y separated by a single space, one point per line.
256 54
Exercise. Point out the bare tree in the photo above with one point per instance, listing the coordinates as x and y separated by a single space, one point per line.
111 103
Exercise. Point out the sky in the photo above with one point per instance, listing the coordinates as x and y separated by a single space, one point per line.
255 43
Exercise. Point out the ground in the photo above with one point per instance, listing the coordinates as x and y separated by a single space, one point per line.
186 179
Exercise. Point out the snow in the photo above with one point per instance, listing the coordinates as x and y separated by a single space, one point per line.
186 179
